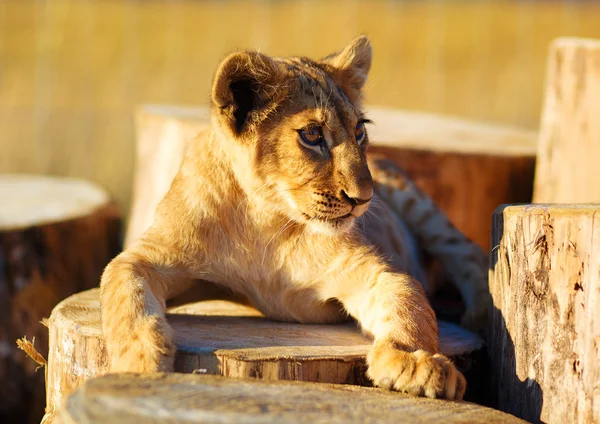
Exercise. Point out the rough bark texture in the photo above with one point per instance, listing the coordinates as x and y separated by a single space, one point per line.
569 148
56 236
469 169
176 398
218 337
545 321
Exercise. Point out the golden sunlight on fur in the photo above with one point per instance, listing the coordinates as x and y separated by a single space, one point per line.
278 205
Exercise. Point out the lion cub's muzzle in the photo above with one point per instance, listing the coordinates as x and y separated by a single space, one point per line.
358 210
359 206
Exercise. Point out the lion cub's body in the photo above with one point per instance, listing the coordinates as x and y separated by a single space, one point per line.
261 211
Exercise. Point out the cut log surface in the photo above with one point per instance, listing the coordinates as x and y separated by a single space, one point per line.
219 337
174 398
468 168
56 236
545 322
569 148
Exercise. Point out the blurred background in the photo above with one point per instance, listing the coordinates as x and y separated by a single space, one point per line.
73 71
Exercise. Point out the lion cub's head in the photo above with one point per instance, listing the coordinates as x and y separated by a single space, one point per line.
297 132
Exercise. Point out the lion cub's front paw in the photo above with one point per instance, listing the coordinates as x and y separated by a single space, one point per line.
417 373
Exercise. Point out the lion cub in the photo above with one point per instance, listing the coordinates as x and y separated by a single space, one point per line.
271 204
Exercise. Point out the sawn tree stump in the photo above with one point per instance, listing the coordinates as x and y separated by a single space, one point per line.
468 168
544 341
218 337
569 148
162 132
56 236
178 399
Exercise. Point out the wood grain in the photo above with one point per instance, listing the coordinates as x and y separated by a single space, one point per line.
219 337
173 398
569 148
56 237
545 324
468 168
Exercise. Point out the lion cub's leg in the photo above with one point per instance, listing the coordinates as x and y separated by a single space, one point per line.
134 289
393 308
464 263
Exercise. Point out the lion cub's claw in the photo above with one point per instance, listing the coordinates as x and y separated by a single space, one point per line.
416 373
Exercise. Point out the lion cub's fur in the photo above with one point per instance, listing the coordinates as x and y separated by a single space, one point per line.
283 225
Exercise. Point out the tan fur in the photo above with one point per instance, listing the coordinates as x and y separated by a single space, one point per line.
256 212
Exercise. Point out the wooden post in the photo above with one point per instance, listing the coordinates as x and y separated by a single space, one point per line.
56 236
162 133
544 341
219 337
569 148
468 168
178 399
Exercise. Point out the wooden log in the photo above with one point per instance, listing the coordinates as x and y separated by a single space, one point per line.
162 132
468 168
544 342
219 337
569 147
173 398
56 236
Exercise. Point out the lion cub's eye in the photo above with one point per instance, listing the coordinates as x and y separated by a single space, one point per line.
360 132
312 135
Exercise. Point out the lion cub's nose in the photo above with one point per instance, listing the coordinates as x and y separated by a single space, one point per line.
359 206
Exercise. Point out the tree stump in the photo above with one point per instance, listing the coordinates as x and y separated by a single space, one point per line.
468 168
219 337
569 148
56 236
173 398
162 132
544 330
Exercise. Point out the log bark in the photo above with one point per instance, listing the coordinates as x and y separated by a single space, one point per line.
56 236
569 148
219 337
544 342
177 398
468 168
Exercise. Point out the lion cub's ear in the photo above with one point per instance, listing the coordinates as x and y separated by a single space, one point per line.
350 67
245 85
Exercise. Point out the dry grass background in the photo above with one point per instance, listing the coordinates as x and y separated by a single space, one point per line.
72 71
